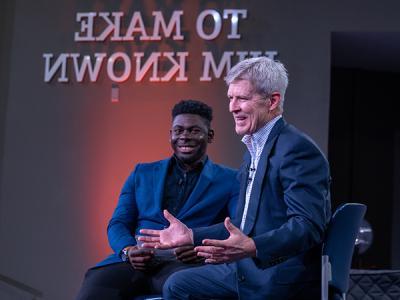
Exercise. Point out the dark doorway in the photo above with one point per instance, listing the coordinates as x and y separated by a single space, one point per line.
363 136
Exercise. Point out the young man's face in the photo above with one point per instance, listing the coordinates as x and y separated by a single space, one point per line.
189 137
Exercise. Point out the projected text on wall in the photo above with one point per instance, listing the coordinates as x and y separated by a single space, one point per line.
120 66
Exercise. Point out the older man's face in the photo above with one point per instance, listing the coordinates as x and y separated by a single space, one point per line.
250 110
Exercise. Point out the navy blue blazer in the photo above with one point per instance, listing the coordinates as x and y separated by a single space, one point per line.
288 213
140 202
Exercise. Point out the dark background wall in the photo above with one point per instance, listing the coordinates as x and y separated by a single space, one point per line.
66 149
362 151
363 133
6 21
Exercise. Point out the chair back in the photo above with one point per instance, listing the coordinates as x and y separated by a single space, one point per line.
338 246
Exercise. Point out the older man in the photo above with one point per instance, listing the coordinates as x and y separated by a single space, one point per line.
272 248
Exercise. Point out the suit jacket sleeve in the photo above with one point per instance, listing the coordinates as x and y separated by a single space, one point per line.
123 222
304 179
218 231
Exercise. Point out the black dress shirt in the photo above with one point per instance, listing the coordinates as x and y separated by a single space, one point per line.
179 184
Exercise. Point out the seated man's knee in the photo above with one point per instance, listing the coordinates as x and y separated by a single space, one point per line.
174 287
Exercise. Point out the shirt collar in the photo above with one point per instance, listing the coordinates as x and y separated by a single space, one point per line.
255 142
197 166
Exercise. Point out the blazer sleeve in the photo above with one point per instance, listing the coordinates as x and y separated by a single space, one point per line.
218 231
304 178
124 219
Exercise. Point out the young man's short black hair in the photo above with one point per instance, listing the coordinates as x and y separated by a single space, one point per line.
193 107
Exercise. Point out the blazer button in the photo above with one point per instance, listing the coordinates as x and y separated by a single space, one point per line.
241 278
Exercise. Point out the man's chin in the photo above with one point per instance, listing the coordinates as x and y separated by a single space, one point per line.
240 130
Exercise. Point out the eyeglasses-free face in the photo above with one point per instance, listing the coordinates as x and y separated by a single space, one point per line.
250 110
189 137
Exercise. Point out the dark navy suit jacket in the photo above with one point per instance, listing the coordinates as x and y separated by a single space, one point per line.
288 213
140 202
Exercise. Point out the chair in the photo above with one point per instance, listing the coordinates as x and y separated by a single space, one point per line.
338 249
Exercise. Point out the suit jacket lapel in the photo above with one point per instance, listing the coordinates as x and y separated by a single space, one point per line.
259 177
243 174
203 182
159 177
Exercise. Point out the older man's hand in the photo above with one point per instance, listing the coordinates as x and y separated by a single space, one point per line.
236 247
176 235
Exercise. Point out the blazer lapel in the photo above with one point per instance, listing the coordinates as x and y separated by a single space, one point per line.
159 177
259 177
203 182
243 175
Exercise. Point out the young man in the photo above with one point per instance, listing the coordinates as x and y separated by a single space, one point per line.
188 184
